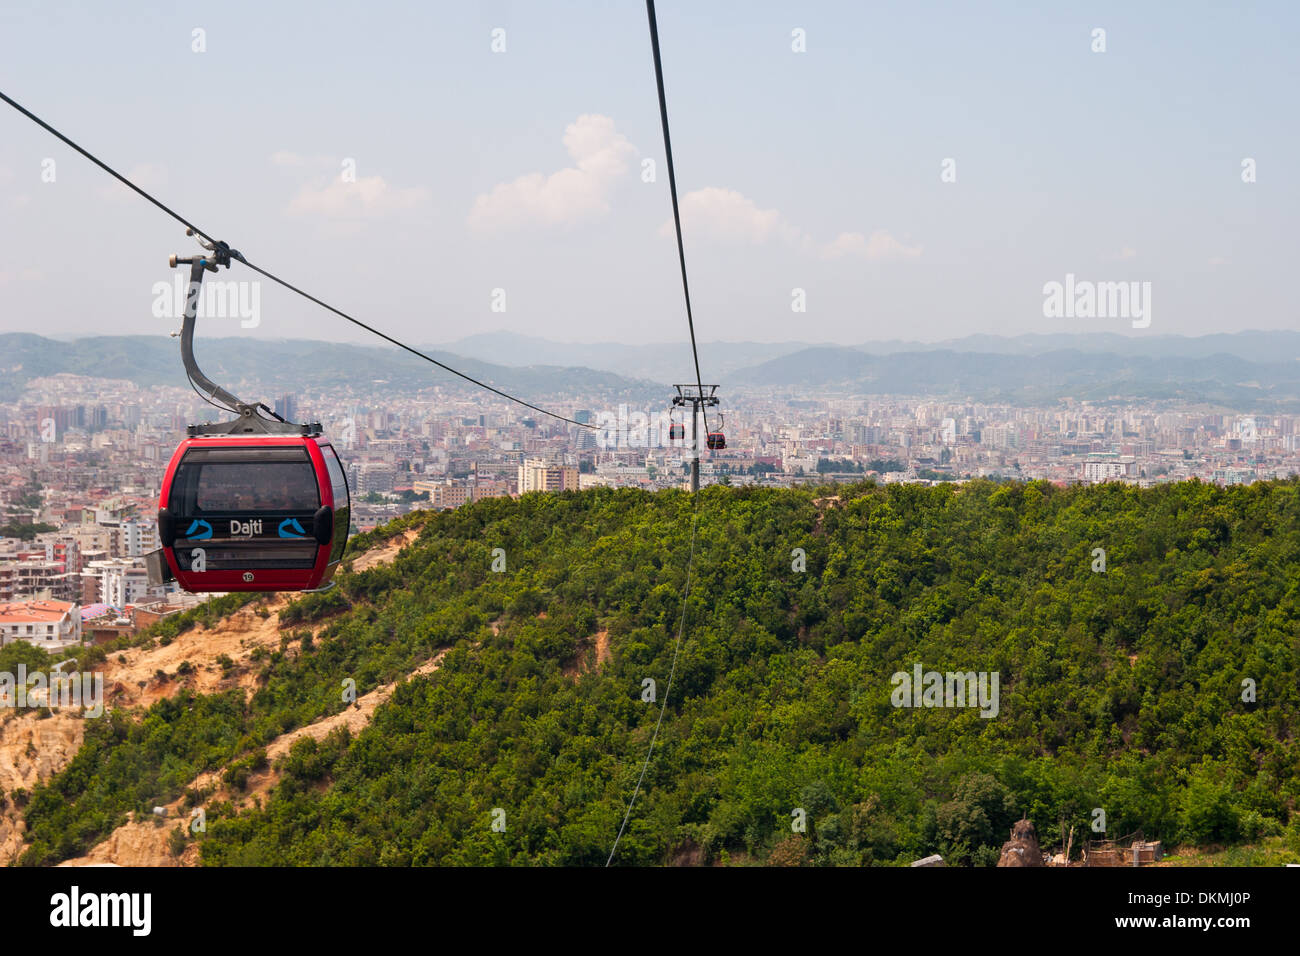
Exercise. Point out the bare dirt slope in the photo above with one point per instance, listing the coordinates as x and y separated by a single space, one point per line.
385 552
592 652
145 844
33 749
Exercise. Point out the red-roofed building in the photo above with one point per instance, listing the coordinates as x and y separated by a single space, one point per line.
48 624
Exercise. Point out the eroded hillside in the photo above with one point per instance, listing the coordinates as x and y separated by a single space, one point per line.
37 745
1162 686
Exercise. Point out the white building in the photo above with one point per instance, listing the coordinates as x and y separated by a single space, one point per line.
124 581
138 537
51 625
1109 468
373 476
1233 476
536 474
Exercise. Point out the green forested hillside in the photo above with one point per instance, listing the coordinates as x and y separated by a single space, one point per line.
1120 690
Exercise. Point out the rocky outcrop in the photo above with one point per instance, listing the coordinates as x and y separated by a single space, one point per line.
1022 849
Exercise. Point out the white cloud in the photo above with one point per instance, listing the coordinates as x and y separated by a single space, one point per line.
369 196
728 216
22 275
326 193
1218 261
13 199
147 176
288 158
576 193
881 245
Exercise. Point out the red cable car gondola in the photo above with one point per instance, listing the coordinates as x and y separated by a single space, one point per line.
676 430
716 440
254 504
254 513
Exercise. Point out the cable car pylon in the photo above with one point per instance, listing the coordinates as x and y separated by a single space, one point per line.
698 396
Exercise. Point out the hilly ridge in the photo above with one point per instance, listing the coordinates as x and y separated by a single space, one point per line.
1247 371
1119 690
1045 377
267 367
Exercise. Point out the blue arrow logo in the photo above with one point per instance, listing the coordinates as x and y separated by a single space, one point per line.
201 535
290 528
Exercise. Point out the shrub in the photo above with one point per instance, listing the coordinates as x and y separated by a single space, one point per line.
176 841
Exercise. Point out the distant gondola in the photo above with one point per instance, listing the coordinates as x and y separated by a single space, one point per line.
716 440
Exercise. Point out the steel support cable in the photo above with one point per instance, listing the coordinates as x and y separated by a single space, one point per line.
401 345
677 216
681 627
699 382
199 232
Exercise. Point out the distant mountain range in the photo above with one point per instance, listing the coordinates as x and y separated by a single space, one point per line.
1221 379
1144 366
1245 370
658 362
261 369
1253 346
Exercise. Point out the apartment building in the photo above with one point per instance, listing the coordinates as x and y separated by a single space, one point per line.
449 494
1109 468
537 474
372 476
443 494
120 582
46 571
138 537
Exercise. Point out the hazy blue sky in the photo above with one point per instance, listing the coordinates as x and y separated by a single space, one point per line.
522 170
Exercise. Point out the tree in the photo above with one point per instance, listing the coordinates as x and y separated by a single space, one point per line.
31 496
981 810
29 655
791 851
1209 813
1114 689
25 532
